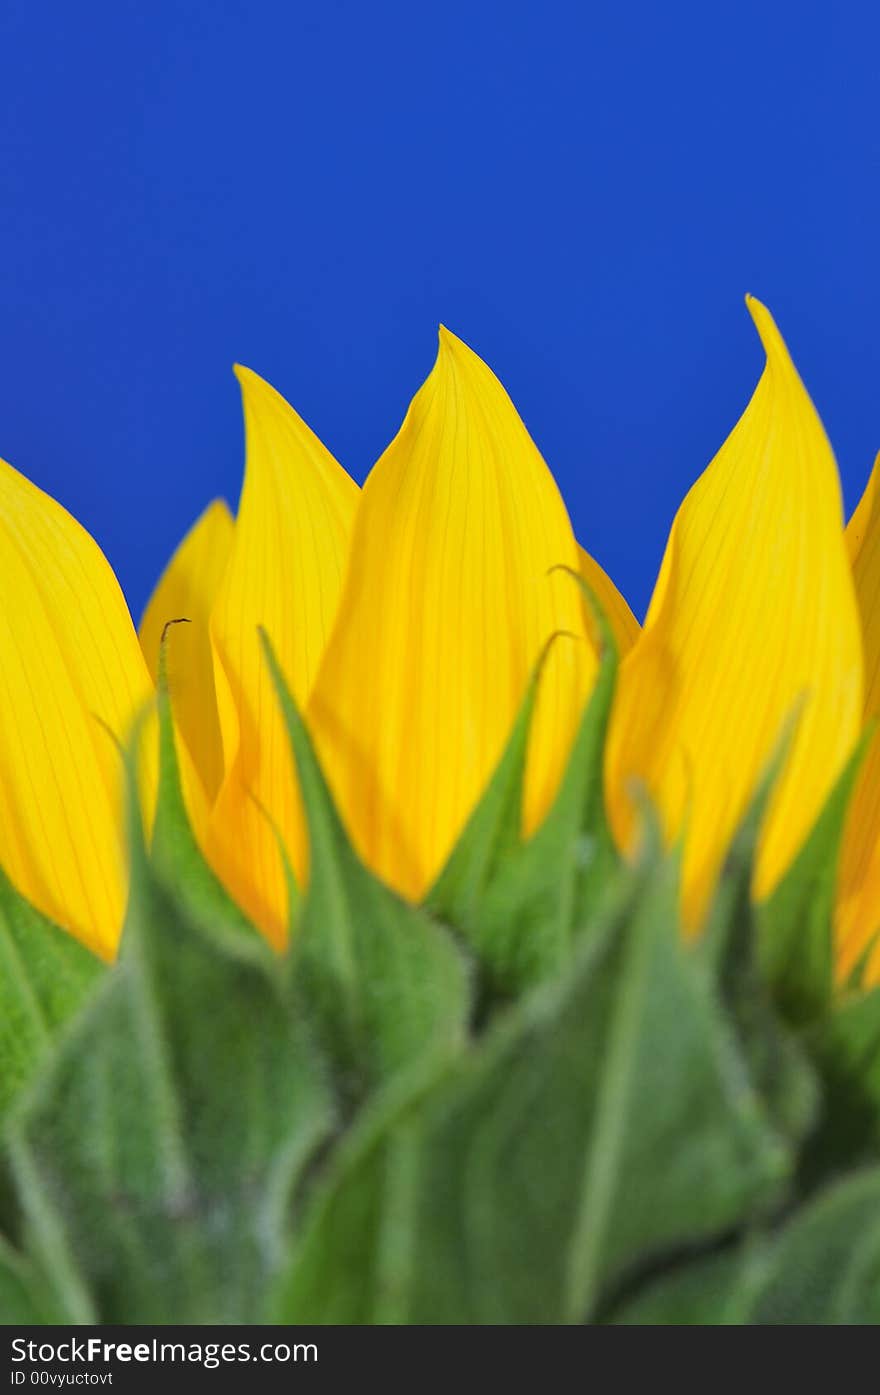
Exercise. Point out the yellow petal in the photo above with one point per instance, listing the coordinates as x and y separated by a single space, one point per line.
447 604
284 573
753 618
70 667
188 589
624 624
858 912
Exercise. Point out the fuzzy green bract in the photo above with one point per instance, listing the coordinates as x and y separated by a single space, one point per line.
530 1100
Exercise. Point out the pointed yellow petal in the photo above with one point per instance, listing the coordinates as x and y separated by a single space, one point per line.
753 615
284 573
69 662
188 589
623 623
858 912
447 604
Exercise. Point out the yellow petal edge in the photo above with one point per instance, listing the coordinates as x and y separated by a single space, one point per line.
753 619
624 625
187 591
71 673
284 573
858 909
448 601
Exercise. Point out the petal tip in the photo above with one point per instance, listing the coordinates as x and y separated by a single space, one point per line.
455 356
247 378
768 331
258 395
448 344
217 510
253 383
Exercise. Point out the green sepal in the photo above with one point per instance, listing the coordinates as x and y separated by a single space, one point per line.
846 1049
716 1289
602 1120
354 1256
521 903
825 1267
159 1154
177 859
493 831
796 922
383 983
730 947
45 977
821 1267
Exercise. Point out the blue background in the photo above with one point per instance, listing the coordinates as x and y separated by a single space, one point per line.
582 191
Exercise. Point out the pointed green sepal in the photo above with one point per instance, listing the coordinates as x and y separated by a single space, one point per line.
846 1048
604 1121
176 855
384 982
778 1064
518 902
160 1154
796 922
493 830
45 977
